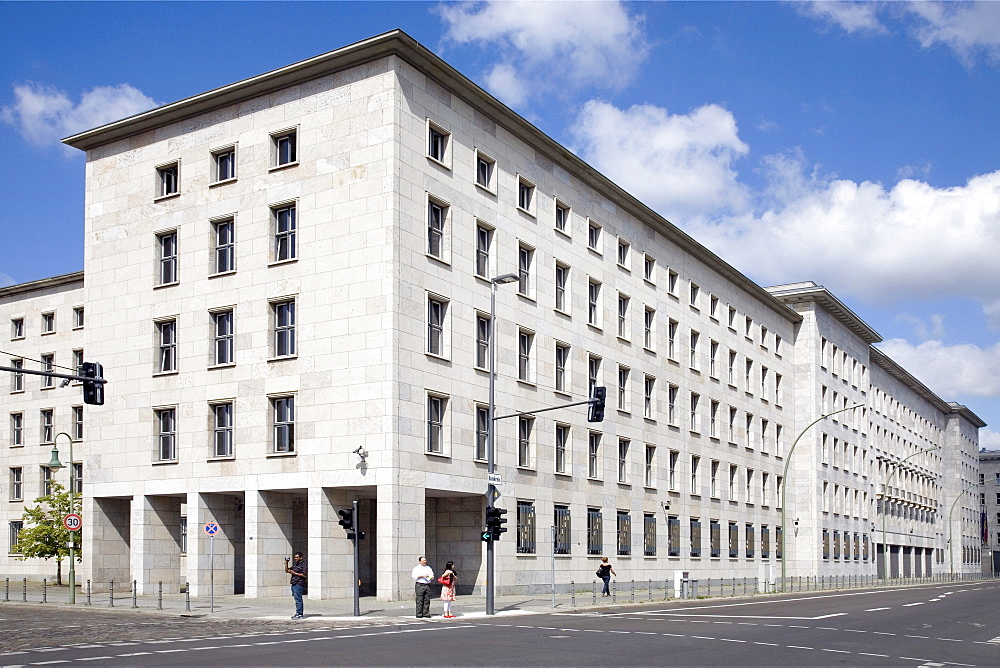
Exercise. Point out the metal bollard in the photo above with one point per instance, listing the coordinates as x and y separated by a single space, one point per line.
88 592
111 593
633 591
159 597
572 593
651 589
595 592
6 589
187 597
614 592
45 583
135 603
744 586
24 590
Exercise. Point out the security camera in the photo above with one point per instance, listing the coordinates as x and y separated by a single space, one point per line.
357 451
666 505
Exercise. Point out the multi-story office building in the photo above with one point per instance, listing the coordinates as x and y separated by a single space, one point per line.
989 509
288 283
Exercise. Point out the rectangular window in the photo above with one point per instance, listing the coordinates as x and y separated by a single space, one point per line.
222 337
714 479
750 541
734 540
713 419
562 217
734 472
167 333
16 429
623 328
184 534
748 372
17 328
695 537
623 398
564 540
284 328
593 303
77 317
482 341
284 424
623 447
17 378
624 533
649 534
562 360
285 226
649 268
624 253
672 339
695 475
13 536
713 359
437 143
777 543
48 364
436 406
77 363
695 422
693 353
167 180
649 477
48 477
672 472
525 269
731 319
48 323
649 398
485 168
648 331
713 307
672 277
525 425
46 429
673 536
749 498
482 432
225 164
16 483
748 331
525 527
562 281
693 294
593 374
672 391
224 232
715 538
484 246
284 146
77 423
731 429
593 454
436 310
223 430
594 236
167 250
167 429
595 544
525 345
525 195
562 440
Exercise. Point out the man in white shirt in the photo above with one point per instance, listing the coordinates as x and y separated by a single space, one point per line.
422 576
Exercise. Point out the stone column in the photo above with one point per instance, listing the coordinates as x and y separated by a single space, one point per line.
401 530
269 531
107 541
155 543
330 554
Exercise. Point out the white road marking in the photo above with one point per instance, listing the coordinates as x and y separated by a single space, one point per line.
876 609
798 647
921 637
910 605
769 644
881 656
838 651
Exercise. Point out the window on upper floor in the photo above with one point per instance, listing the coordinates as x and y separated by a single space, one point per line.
525 270
486 171
437 330
561 366
437 404
562 220
649 268
17 378
283 424
224 237
224 164
594 302
166 421
166 332
283 324
525 195
17 328
624 254
594 231
222 432
48 323
437 221
525 356
166 244
484 247
438 144
77 317
284 148
168 180
48 364
561 286
222 337
284 225
482 340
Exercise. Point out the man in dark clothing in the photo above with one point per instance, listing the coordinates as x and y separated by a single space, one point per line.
299 572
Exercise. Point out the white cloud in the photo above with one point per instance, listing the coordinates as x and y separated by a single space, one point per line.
963 369
967 28
678 164
43 115
543 47
923 329
989 439
851 16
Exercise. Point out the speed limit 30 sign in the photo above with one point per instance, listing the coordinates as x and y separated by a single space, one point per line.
73 522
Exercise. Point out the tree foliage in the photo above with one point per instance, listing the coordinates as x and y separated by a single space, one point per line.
43 535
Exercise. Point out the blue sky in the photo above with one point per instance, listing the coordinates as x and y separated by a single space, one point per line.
853 144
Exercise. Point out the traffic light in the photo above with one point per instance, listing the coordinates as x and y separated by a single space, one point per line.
93 393
596 410
494 523
486 535
347 519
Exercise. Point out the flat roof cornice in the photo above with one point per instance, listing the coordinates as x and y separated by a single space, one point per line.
398 43
42 284
808 291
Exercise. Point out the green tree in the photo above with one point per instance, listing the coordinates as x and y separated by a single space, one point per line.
43 535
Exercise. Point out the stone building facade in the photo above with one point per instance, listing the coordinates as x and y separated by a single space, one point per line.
287 281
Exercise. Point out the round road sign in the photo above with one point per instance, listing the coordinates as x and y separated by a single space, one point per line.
211 528
73 522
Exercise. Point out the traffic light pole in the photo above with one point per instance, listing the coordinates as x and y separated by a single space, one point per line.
357 575
490 459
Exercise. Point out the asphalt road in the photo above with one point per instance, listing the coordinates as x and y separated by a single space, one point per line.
914 626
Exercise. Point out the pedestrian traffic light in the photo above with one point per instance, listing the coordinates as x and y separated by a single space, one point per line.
596 411
495 523
93 392
486 535
346 519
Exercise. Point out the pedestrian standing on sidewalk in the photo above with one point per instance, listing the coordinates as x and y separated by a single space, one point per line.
604 571
422 576
447 580
299 572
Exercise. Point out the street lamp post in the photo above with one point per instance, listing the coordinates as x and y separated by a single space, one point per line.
951 542
490 428
54 465
784 484
885 494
